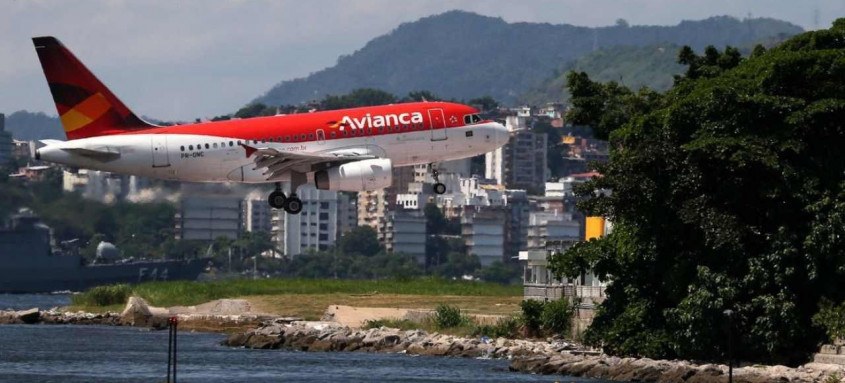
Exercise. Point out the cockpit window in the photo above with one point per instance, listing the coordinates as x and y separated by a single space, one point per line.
471 119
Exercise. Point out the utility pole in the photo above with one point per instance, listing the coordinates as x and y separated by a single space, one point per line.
729 313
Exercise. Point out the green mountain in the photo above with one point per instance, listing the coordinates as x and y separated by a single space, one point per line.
28 126
653 66
463 55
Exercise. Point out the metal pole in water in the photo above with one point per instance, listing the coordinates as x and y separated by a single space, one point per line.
169 348
175 328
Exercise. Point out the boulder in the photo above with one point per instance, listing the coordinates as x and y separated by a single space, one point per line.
29 316
137 312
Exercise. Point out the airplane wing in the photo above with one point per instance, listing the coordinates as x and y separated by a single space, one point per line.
277 163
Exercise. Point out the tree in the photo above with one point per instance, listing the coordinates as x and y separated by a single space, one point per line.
485 103
361 240
357 98
421 95
458 264
253 110
727 194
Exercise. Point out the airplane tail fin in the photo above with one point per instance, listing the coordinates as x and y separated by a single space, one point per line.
86 107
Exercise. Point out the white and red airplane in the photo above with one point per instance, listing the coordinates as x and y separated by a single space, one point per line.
344 150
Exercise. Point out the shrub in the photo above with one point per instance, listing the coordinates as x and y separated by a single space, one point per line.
104 295
557 317
831 317
532 310
507 327
446 316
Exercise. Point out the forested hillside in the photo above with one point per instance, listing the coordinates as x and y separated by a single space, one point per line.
27 126
463 55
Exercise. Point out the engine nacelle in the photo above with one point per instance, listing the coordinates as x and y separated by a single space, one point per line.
361 175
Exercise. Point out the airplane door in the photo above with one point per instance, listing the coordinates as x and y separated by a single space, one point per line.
321 137
159 150
438 124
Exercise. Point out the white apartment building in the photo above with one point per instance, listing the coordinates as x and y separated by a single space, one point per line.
206 217
483 231
257 213
545 227
316 227
404 231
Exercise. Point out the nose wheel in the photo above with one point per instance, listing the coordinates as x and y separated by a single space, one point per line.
439 187
278 200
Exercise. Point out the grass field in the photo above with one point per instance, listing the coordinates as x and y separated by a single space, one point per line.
308 298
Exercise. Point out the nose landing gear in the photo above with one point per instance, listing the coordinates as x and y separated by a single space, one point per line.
278 200
439 187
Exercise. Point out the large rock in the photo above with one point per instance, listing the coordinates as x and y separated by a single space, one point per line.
137 312
29 316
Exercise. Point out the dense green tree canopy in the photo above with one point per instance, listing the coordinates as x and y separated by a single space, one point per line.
728 193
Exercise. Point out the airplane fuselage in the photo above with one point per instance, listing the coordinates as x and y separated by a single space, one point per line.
420 133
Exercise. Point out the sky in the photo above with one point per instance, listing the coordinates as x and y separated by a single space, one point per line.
177 60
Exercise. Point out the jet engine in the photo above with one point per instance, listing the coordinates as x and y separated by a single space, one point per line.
361 175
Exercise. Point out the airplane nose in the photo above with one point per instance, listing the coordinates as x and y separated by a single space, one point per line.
502 135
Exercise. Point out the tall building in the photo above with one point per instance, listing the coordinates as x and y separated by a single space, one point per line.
208 216
102 186
257 213
374 205
483 231
6 144
347 212
521 163
315 228
404 231
545 227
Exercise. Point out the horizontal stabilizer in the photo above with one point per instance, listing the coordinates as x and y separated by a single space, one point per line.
104 154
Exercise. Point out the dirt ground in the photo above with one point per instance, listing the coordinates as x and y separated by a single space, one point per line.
312 307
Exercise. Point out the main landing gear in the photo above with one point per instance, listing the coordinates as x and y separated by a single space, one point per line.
278 200
439 187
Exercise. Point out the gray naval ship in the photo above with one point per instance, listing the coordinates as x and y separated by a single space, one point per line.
30 264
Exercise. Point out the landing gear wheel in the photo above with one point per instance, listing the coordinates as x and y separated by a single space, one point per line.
439 188
293 205
277 199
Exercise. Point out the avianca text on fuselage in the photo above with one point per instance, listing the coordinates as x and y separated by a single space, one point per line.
379 121
103 134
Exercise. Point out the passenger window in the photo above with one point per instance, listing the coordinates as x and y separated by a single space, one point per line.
302 137
334 134
287 138
231 143
182 148
310 136
190 147
207 146
215 145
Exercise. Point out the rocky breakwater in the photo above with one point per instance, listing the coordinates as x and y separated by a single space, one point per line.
223 315
54 316
540 357
331 336
649 370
